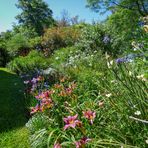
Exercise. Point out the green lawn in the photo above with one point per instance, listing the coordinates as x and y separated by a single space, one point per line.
12 111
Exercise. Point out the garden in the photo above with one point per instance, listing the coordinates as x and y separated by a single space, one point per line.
70 84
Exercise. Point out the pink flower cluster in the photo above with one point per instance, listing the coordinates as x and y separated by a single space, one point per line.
44 95
71 121
45 102
67 91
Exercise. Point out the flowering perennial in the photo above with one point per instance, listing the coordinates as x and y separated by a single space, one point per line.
72 122
90 115
82 142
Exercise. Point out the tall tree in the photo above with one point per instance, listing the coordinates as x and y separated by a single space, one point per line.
35 15
140 6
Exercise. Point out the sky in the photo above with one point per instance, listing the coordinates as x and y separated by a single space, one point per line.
8 11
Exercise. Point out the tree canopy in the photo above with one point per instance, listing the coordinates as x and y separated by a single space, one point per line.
35 15
140 6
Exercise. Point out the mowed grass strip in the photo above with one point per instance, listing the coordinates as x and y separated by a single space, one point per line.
12 111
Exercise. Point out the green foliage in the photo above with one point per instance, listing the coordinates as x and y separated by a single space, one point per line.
15 138
37 122
92 38
122 27
37 127
58 37
18 45
116 92
33 61
137 6
4 57
35 15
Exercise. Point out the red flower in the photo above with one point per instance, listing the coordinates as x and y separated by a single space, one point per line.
35 109
82 142
46 103
90 115
72 122
45 95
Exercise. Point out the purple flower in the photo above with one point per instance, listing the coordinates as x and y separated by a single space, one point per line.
121 60
34 80
106 39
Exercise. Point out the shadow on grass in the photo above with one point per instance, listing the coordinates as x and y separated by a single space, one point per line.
12 103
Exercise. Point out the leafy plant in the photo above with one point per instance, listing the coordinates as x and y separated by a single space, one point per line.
35 60
58 37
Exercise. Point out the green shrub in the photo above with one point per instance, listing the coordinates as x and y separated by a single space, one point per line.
93 37
4 57
18 45
59 37
35 60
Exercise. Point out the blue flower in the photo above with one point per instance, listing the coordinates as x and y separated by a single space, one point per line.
106 39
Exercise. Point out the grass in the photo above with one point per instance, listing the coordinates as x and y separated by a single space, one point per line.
17 138
12 111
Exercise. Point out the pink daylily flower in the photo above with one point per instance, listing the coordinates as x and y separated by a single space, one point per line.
57 145
90 115
35 109
46 103
44 95
72 122
81 143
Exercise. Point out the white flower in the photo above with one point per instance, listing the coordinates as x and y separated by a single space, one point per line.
26 82
108 95
135 49
106 56
137 113
57 58
141 77
109 64
130 73
113 81
146 141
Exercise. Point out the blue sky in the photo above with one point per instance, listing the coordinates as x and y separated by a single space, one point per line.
8 11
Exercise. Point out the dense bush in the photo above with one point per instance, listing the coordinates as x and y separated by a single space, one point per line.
3 57
122 28
35 60
18 45
58 37
94 37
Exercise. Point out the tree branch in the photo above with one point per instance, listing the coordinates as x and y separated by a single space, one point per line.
139 9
